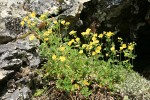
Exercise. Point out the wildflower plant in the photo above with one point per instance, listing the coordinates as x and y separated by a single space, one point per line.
76 64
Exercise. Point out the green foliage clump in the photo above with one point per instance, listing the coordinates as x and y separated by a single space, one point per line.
78 62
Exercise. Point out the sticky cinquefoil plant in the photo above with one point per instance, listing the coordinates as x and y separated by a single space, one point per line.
75 64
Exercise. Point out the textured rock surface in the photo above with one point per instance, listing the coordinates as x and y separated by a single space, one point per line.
19 94
14 54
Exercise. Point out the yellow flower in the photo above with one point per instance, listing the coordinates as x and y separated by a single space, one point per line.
95 35
88 30
98 49
84 46
69 43
62 58
62 48
50 31
112 48
85 82
96 42
55 22
46 39
25 18
76 86
32 37
72 32
119 38
67 23
46 33
32 15
90 47
123 46
54 57
100 35
130 47
104 32
33 24
106 54
83 33
93 38
29 22
43 17
93 53
77 46
109 34
72 40
22 23
63 22
77 39
91 43
81 52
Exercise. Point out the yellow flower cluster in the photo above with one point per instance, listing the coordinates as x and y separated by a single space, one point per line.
46 39
32 37
81 52
55 22
25 19
98 49
131 46
84 46
87 32
76 86
46 34
70 42
43 16
33 15
85 82
109 34
54 57
62 58
61 48
100 35
94 39
112 48
67 23
123 46
77 39
63 22
22 23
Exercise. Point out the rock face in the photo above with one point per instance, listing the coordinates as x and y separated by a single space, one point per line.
14 54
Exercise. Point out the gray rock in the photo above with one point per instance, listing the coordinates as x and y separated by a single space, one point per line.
13 54
4 74
11 13
19 94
